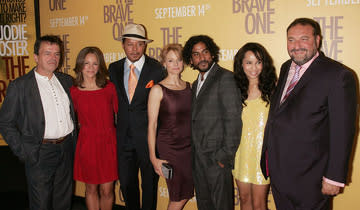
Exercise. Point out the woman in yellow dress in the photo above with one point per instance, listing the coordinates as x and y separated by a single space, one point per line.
255 75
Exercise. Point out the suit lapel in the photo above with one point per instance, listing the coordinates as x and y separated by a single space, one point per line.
120 78
143 78
209 80
67 90
204 88
301 84
63 84
34 95
194 88
34 91
282 82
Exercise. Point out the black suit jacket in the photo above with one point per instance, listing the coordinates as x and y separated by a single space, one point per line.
311 134
216 117
132 118
22 120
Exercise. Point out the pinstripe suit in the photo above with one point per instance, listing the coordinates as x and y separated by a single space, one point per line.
132 147
216 130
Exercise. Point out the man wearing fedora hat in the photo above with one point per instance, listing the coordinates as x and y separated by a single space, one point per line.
133 77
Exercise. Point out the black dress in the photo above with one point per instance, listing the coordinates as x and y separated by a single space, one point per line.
173 140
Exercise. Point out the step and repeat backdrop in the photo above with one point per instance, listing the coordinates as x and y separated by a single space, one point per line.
17 38
231 23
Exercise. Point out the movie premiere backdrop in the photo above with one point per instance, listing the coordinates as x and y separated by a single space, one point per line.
17 37
231 23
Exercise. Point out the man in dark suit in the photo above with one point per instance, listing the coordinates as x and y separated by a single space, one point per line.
311 124
133 77
36 120
216 125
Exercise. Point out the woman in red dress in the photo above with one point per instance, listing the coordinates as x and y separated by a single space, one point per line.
95 102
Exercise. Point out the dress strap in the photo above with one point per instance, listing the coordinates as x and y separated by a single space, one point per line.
164 87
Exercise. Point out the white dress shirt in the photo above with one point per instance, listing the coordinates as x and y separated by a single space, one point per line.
201 81
56 106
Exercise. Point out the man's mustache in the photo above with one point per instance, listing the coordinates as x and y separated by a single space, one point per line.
203 61
301 49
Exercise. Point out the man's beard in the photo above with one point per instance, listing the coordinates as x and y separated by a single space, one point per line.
305 59
197 67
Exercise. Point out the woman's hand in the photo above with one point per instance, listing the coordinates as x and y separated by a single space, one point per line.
157 163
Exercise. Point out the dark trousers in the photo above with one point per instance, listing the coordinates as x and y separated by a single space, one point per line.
129 164
49 180
284 201
213 184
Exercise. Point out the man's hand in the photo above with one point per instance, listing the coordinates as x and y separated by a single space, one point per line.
329 189
221 165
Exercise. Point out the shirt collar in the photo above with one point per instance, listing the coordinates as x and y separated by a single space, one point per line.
39 76
138 64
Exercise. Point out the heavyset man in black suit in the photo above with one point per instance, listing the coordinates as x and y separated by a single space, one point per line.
309 133
132 119
36 120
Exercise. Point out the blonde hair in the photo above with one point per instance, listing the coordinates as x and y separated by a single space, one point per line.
176 48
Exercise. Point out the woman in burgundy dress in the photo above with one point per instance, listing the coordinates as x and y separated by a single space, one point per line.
95 103
169 112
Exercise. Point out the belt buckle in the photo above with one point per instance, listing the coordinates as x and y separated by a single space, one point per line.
55 141
59 140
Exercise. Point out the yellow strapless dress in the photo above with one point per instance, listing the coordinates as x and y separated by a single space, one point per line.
247 159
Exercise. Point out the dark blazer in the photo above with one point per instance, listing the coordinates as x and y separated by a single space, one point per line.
22 120
134 116
311 134
216 117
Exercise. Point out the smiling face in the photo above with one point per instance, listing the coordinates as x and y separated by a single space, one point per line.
134 49
302 45
91 66
201 58
173 63
252 66
48 58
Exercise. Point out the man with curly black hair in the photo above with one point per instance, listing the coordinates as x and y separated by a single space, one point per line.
216 124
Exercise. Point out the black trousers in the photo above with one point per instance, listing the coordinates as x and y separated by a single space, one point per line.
284 201
130 161
50 180
213 185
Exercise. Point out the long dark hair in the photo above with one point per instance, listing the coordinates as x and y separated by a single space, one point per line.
101 75
267 77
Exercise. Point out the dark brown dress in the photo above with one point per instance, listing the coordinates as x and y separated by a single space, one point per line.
173 140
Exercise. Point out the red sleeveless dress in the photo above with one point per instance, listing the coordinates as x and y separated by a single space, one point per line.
95 156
